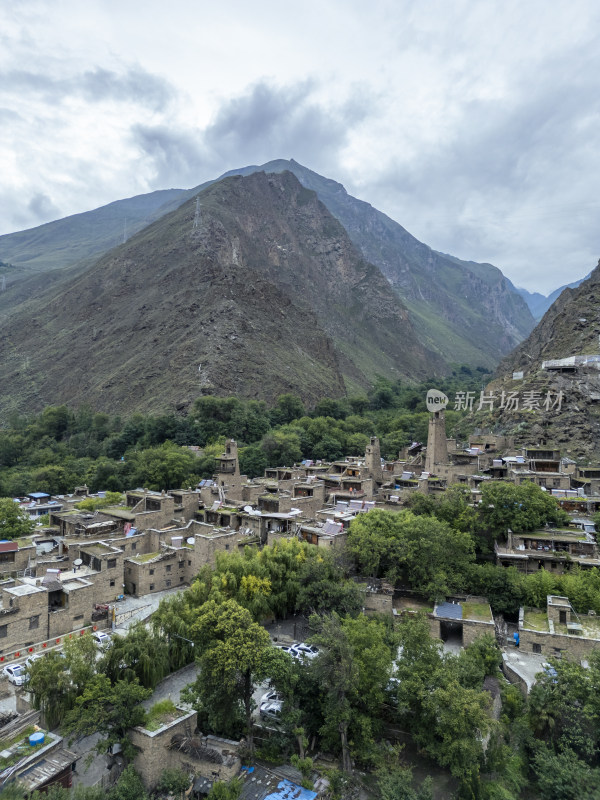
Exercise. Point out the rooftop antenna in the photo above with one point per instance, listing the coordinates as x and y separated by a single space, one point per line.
197 215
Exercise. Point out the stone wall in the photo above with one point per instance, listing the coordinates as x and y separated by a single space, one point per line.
156 754
168 569
557 644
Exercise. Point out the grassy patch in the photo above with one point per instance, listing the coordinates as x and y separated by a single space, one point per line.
145 557
536 621
162 713
477 611
19 746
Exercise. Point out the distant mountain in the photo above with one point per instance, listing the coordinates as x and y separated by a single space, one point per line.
539 303
464 311
266 294
570 327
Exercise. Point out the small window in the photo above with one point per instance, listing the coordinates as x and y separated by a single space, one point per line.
151 587
168 567
181 564
111 563
34 622
79 616
181 579
168 583
134 546
3 631
151 572
536 648
129 570
189 563
112 583
226 547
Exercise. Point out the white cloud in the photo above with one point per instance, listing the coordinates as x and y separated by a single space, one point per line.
472 124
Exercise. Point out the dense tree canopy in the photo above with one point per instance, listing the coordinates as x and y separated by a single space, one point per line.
14 523
421 552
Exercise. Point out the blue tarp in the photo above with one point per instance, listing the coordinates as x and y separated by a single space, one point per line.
286 790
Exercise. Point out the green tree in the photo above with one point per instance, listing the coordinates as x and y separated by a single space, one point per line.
140 654
167 466
111 710
129 786
288 408
281 447
51 687
563 776
173 781
520 508
234 653
353 668
421 551
226 790
253 461
14 523
396 783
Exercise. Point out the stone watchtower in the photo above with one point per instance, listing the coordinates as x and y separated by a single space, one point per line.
228 463
437 444
373 459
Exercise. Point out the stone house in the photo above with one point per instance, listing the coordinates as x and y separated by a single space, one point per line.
180 554
176 745
462 620
553 549
36 610
558 630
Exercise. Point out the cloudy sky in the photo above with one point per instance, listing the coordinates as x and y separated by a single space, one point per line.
475 123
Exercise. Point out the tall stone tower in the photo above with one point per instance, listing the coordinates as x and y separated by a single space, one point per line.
373 459
437 444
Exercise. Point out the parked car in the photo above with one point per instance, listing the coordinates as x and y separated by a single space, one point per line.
303 650
101 638
30 660
16 673
286 649
271 696
271 710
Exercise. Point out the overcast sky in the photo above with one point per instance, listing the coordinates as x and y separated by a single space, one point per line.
474 124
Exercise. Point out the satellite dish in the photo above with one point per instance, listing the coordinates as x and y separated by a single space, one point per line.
191 540
78 562
248 509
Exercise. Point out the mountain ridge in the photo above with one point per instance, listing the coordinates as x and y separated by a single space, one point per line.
267 294
464 312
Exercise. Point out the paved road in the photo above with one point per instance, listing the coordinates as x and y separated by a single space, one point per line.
171 686
142 607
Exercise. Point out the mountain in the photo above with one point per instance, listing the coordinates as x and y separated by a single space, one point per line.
570 327
463 311
263 294
539 303
466 312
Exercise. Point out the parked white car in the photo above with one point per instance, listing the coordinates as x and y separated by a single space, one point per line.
270 697
271 710
303 650
286 649
102 639
16 673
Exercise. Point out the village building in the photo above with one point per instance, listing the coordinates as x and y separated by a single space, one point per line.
558 630
176 745
462 620
554 549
